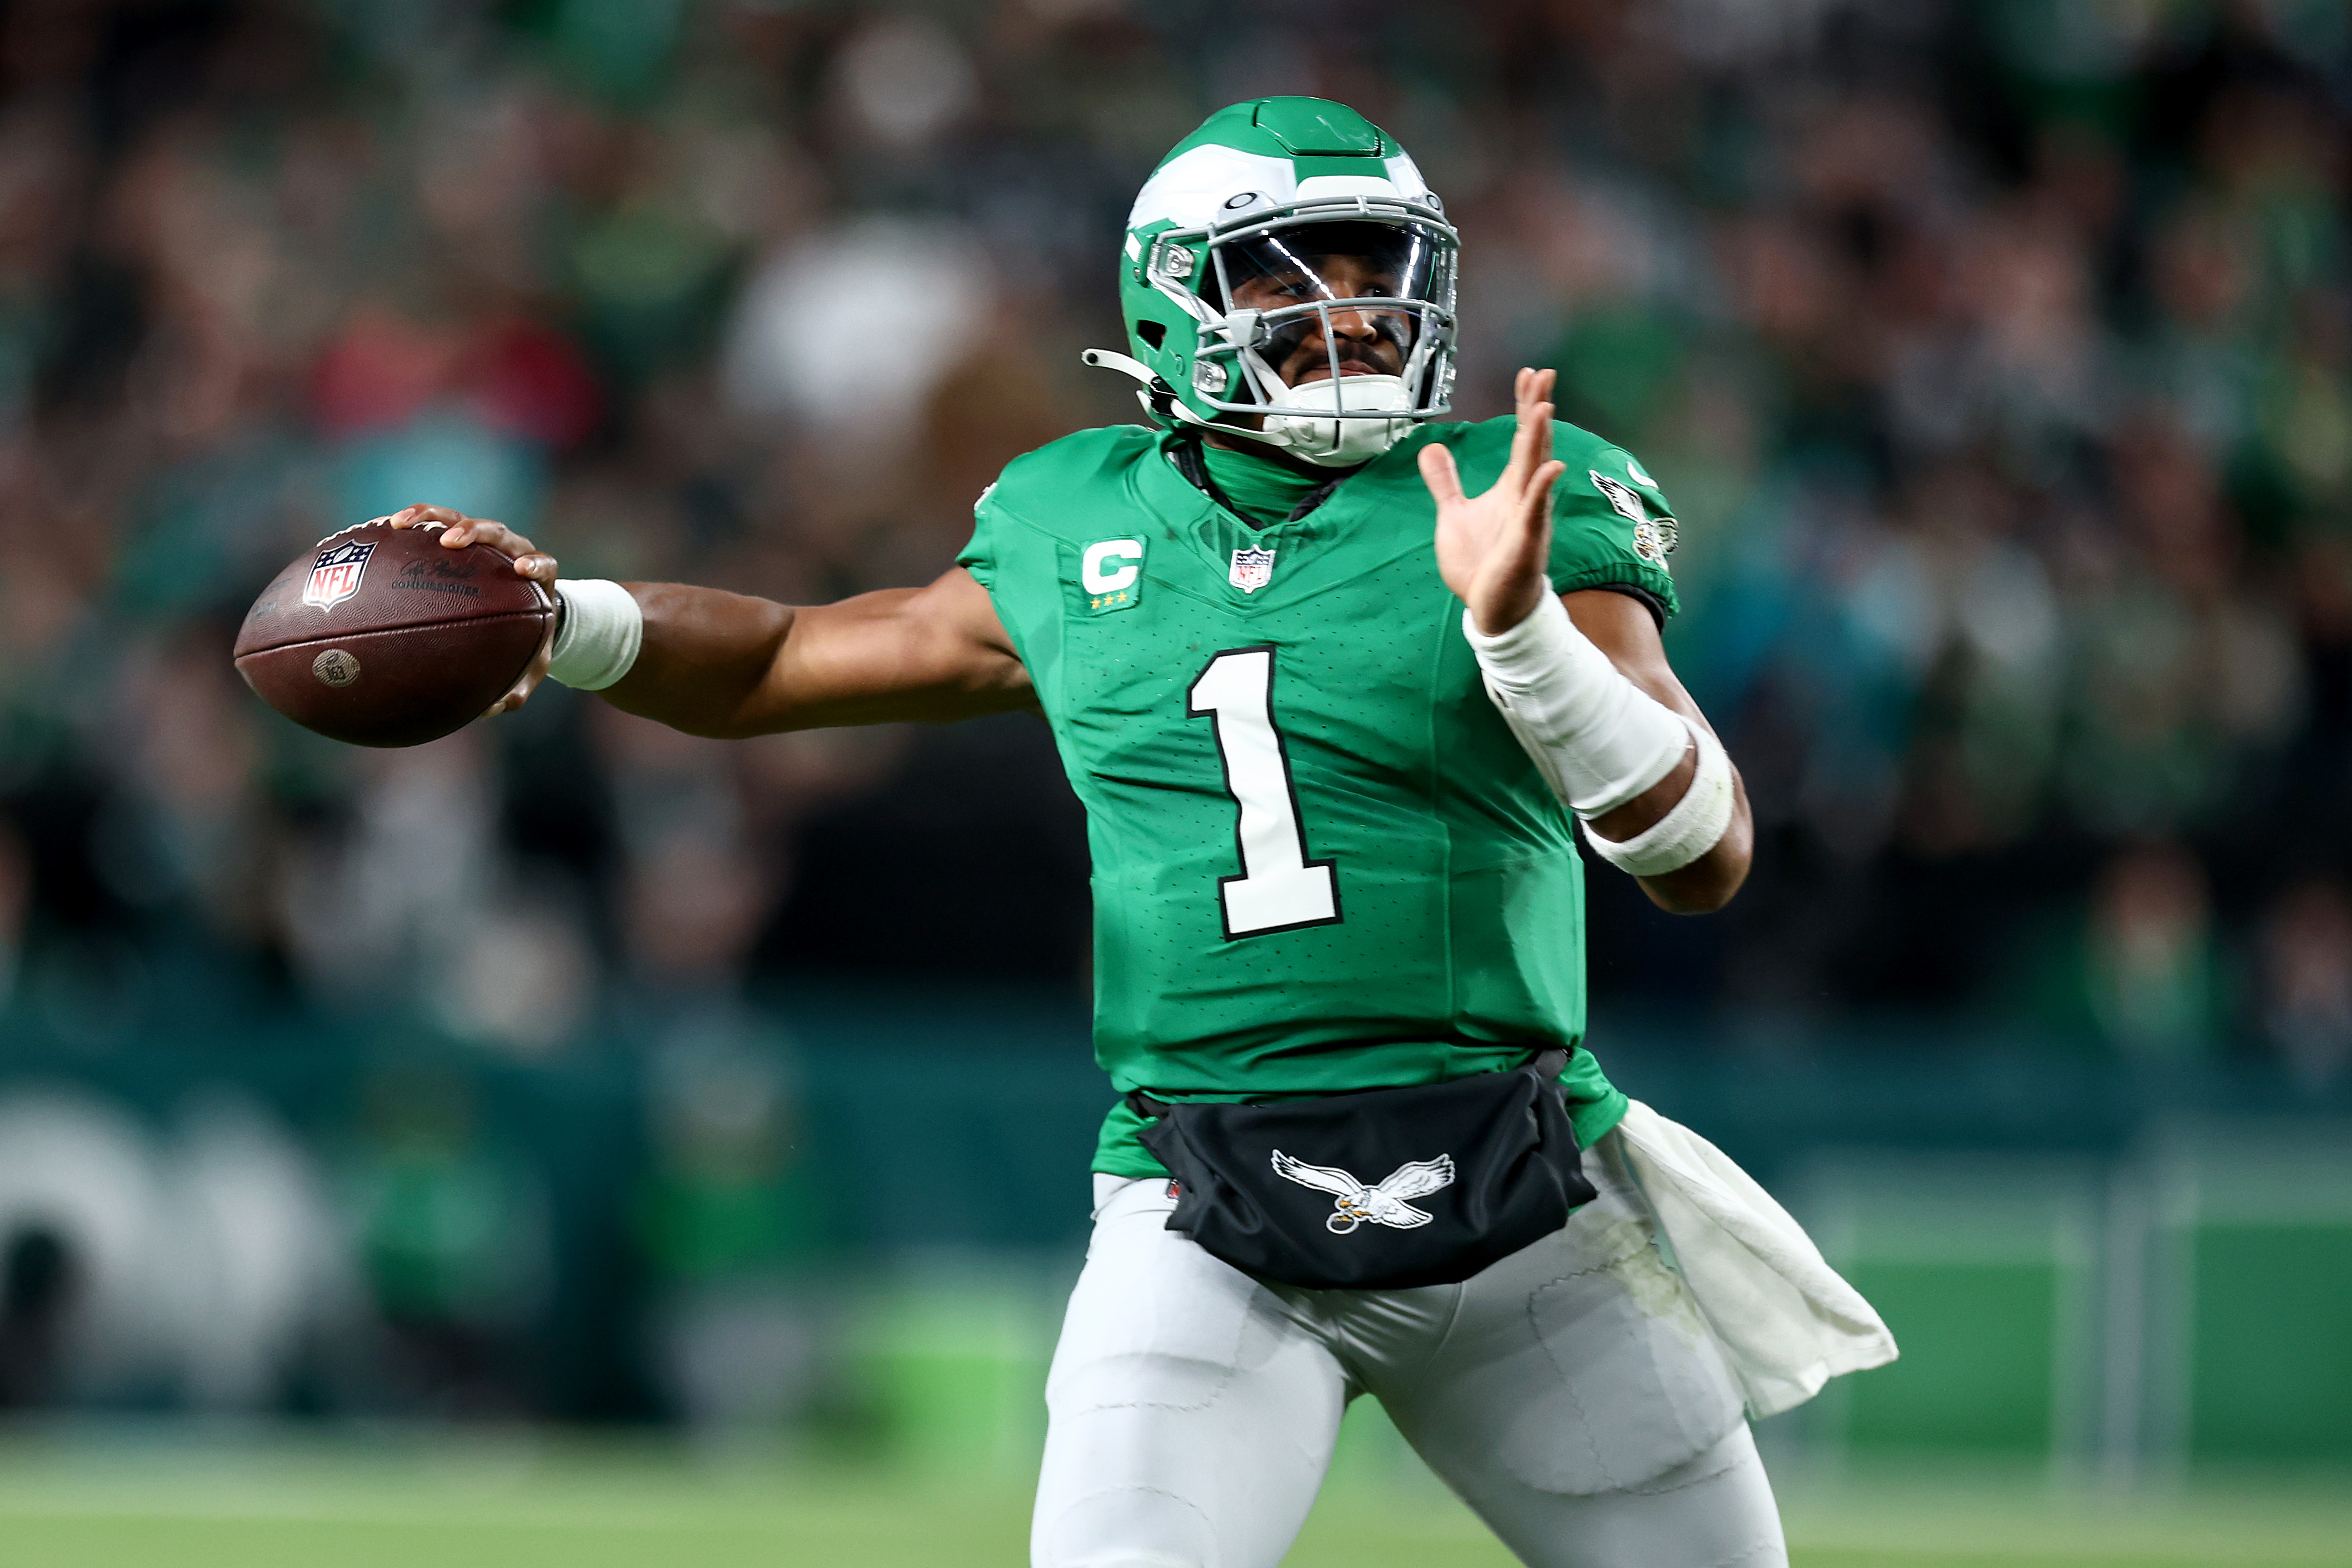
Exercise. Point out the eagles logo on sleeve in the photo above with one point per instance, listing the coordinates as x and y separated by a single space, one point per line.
1653 538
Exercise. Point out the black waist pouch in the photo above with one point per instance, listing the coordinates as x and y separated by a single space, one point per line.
1379 1190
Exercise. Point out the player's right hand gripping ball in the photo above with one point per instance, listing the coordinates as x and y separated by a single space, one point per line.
380 637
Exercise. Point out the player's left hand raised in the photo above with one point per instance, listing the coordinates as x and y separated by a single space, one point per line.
1493 548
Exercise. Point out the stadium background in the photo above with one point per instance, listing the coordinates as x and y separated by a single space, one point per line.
570 1076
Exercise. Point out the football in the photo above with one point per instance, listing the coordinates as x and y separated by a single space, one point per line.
380 637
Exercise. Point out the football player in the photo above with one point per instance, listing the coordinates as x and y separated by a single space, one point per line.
1331 676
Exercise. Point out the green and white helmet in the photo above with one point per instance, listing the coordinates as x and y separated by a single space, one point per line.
1278 223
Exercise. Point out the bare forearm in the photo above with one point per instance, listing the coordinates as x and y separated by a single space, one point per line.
705 658
724 665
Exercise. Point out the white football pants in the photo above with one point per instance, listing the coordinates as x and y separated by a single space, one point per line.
1569 1394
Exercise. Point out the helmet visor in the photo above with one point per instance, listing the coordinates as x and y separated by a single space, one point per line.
1322 294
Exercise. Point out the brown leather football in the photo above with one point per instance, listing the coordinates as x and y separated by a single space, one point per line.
380 637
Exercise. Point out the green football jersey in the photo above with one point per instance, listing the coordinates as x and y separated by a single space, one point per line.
1321 861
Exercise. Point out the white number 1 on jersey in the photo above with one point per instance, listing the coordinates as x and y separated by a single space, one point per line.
1279 889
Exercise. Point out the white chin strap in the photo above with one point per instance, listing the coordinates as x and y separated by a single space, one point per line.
1291 425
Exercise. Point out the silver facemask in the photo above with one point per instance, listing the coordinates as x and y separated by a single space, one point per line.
1358 309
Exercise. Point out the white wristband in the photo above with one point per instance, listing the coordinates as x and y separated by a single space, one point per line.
602 627
1599 739
1696 824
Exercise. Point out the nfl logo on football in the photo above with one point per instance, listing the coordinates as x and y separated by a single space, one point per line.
1253 569
335 576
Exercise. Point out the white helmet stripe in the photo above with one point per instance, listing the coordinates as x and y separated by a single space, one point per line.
1188 188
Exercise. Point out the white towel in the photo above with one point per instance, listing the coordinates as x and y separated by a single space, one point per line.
1787 1322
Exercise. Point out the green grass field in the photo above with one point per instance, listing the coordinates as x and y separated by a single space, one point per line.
197 1498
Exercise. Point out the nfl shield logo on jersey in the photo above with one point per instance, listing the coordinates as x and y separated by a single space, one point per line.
1253 569
335 575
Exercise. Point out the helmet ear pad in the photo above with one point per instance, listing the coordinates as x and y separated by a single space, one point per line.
1160 332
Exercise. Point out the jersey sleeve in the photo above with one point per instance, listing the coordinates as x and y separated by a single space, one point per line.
978 556
1612 526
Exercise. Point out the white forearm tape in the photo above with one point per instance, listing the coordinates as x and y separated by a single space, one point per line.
602 627
1693 826
1598 739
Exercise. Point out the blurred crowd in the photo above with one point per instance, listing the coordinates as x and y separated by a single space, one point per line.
1998 356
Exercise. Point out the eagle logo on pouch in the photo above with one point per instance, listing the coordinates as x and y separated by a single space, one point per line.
1354 1203
1253 569
335 575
